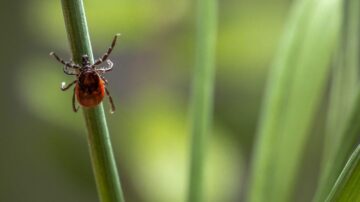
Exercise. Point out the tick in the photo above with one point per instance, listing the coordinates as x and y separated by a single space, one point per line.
90 84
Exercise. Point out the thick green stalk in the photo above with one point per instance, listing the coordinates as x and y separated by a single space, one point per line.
103 162
202 93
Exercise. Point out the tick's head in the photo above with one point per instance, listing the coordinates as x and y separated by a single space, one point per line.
85 60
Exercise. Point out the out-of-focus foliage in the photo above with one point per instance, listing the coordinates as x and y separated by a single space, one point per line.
294 93
342 132
347 185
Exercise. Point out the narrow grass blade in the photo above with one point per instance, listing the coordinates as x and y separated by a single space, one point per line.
104 166
347 186
293 95
344 110
337 156
202 93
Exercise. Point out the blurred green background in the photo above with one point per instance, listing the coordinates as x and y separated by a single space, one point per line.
43 146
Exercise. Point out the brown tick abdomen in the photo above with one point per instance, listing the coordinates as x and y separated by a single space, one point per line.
90 89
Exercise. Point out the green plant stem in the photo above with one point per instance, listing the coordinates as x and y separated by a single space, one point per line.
103 162
202 93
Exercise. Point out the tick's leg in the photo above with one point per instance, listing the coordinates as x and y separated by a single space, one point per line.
102 70
75 109
71 69
64 87
73 65
59 59
112 110
106 55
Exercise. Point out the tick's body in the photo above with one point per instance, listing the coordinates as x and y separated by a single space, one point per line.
90 85
90 89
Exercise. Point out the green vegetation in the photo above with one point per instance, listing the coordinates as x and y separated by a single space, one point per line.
104 166
294 93
346 187
183 131
202 94
342 127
